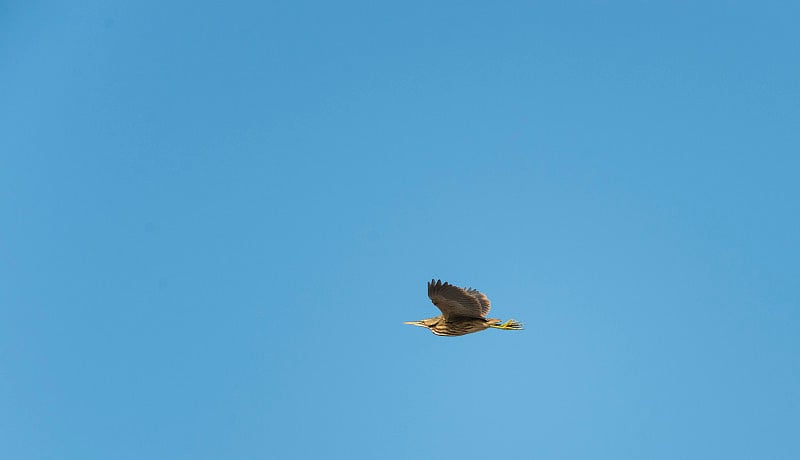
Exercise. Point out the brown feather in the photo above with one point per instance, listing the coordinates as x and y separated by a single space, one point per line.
454 301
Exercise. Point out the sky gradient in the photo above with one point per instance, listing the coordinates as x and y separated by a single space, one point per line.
215 217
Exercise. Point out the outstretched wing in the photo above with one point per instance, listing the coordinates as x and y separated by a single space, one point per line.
455 301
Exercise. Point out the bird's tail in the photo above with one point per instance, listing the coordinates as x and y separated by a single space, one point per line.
509 325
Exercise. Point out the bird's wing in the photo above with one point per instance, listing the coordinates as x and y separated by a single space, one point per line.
486 305
455 301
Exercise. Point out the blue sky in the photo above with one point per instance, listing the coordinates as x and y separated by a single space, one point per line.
214 218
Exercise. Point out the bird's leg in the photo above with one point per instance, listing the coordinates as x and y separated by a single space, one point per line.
509 325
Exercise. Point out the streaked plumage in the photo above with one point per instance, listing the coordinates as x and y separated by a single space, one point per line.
463 310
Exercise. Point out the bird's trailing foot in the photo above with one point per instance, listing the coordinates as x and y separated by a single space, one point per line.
509 325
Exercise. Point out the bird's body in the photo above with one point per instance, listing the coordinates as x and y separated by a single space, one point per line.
457 326
463 310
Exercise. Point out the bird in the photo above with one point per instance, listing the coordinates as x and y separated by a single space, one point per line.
464 311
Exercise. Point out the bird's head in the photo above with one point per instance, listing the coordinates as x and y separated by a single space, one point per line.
430 322
416 323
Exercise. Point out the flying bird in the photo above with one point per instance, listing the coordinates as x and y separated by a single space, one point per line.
464 311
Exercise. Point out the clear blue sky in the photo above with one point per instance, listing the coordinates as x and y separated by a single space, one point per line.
214 218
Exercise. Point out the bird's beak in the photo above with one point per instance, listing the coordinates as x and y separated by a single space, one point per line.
413 323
